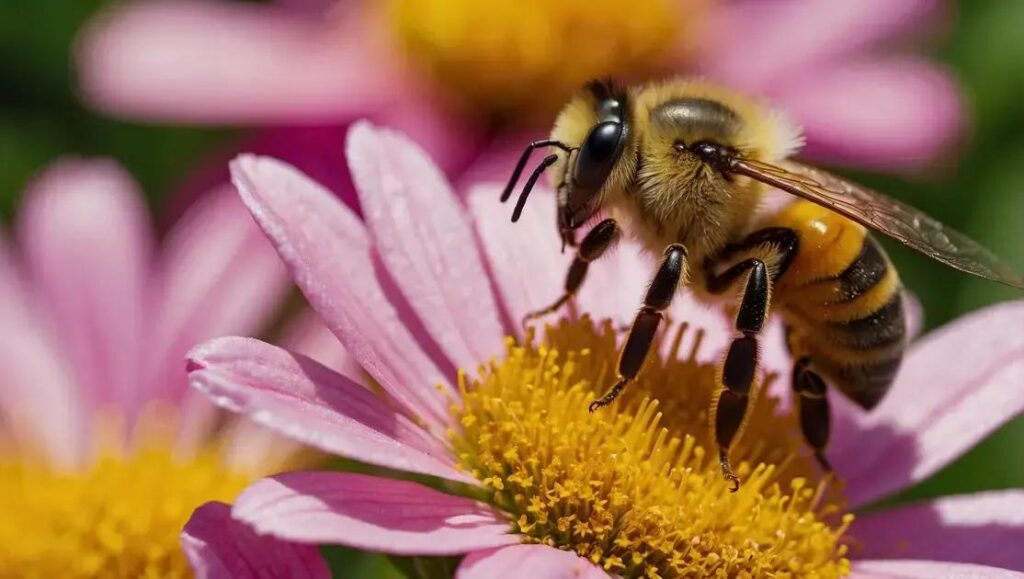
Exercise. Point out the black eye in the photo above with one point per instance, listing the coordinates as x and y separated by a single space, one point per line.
598 155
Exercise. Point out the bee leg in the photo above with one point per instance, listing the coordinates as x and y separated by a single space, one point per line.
593 246
815 417
645 325
740 364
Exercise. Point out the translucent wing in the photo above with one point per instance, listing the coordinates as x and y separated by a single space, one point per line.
888 216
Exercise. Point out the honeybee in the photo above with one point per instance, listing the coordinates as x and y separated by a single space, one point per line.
682 165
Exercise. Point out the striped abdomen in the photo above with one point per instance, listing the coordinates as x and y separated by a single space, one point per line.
842 302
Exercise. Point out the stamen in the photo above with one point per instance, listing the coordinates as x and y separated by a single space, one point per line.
458 43
118 517
636 490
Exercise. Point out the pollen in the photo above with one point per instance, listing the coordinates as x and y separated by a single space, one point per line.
528 56
636 487
119 517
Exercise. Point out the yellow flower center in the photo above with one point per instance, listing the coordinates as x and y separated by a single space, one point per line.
510 56
636 488
121 516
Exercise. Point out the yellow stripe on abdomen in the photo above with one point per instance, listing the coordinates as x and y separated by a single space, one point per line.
828 242
842 299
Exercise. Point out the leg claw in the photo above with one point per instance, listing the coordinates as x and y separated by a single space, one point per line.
727 472
609 397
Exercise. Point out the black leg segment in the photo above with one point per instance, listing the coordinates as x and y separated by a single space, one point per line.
815 415
593 246
641 335
784 242
740 366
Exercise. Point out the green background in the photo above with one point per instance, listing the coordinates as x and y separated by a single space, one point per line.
982 194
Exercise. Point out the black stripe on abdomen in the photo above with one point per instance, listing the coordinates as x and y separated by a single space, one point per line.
883 327
865 383
865 272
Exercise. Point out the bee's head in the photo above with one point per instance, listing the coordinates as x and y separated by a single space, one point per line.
592 131
589 169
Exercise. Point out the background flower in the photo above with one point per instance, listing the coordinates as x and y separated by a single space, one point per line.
861 102
104 452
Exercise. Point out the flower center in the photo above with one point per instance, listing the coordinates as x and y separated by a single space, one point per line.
512 56
119 517
636 488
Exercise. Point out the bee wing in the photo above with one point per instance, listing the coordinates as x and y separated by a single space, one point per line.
880 213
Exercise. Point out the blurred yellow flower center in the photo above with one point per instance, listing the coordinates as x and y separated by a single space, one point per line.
119 517
529 56
636 487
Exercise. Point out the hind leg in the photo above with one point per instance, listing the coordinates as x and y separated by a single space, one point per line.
812 404
740 366
778 246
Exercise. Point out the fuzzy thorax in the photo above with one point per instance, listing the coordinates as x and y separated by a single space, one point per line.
663 192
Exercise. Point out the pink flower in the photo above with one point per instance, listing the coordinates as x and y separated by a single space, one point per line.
523 480
832 64
104 451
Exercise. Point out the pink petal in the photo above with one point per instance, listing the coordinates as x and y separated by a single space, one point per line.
328 252
371 513
424 238
914 312
227 62
254 449
220 276
306 334
911 569
309 6
314 405
985 528
313 150
616 283
897 112
39 403
534 561
219 547
523 257
87 242
957 385
769 41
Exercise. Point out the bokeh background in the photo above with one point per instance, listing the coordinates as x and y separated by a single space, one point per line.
978 189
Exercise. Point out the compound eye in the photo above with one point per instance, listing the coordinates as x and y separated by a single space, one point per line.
598 155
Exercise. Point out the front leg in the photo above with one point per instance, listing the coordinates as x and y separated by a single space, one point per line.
645 325
593 246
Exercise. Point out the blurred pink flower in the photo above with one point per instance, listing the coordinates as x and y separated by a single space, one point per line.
409 294
102 445
833 64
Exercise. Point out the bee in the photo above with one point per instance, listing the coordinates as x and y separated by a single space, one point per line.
683 165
